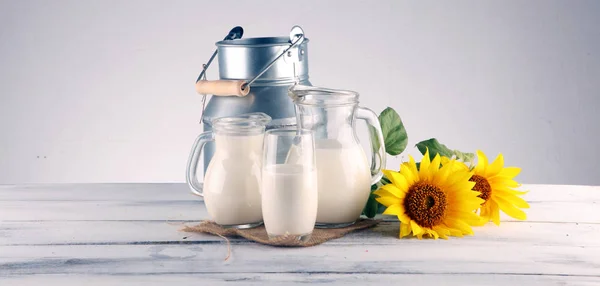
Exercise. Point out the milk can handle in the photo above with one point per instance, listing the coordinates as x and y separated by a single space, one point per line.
196 187
378 158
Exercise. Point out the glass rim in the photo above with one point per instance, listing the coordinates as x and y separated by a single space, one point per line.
312 95
288 131
247 122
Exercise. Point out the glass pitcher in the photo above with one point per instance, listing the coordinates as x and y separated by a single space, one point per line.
231 187
344 174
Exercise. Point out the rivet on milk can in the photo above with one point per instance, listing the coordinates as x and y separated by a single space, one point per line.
254 76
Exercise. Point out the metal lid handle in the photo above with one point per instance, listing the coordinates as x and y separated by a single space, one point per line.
296 39
235 33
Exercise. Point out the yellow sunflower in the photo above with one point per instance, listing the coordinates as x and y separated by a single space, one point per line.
431 201
496 184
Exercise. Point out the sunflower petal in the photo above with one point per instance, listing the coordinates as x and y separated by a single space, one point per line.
432 233
445 160
397 179
511 198
465 187
466 205
509 190
442 231
497 182
440 177
482 162
464 227
404 229
475 220
510 172
495 167
413 166
424 167
390 190
388 173
485 212
394 209
458 165
453 231
403 217
408 171
458 177
434 166
509 209
494 212
416 228
388 200
457 233
468 217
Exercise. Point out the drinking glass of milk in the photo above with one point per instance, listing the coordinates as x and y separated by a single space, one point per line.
289 187
231 187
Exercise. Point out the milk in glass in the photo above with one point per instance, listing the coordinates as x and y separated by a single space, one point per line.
289 199
344 181
232 184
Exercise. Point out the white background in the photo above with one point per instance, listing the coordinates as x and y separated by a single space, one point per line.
102 91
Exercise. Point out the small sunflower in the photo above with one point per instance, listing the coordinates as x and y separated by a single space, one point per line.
431 201
496 185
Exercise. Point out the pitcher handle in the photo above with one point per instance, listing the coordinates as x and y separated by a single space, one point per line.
192 165
377 143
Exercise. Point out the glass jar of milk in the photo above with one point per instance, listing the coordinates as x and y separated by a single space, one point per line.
231 187
344 174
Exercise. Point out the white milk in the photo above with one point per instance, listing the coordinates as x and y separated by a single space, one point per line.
232 180
344 181
289 199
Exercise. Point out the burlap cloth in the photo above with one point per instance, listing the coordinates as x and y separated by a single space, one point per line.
259 234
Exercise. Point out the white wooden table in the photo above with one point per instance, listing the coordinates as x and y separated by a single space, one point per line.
105 234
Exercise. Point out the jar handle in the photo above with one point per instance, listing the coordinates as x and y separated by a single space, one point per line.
377 143
196 187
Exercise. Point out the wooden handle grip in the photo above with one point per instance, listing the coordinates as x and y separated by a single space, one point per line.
222 87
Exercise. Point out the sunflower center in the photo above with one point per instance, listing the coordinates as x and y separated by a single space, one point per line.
425 204
482 186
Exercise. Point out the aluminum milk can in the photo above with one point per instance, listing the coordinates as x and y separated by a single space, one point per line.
254 76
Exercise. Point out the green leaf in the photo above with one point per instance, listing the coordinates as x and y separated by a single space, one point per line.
394 134
385 181
435 147
381 209
465 157
374 139
372 205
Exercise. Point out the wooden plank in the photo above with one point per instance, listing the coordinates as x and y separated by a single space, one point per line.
97 192
191 210
102 210
173 202
218 279
467 256
156 232
180 191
